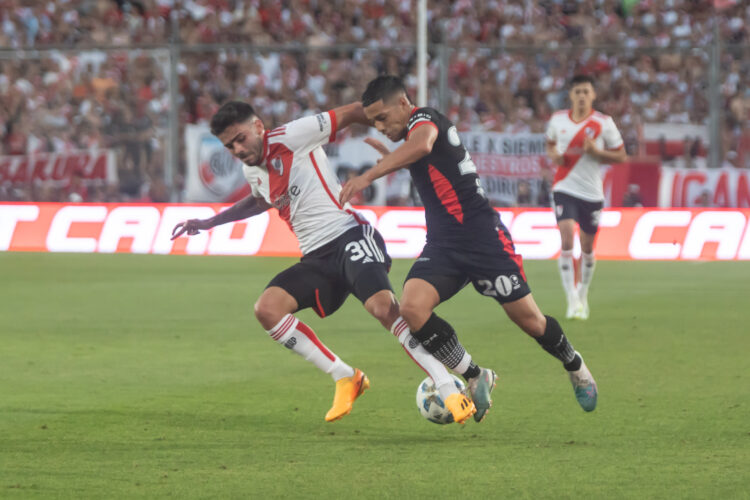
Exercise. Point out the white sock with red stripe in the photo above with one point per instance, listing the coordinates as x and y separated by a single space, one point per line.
567 273
426 361
297 336
588 264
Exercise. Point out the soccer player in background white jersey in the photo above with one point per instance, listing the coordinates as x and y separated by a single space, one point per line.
342 254
579 139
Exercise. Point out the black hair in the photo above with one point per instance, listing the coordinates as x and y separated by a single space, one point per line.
383 87
580 78
230 113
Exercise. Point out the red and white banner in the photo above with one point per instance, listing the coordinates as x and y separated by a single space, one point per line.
58 168
504 160
630 234
713 187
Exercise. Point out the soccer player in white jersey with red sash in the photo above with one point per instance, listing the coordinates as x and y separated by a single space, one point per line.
579 139
287 169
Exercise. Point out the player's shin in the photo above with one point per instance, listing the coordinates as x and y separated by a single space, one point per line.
588 263
439 339
567 276
434 368
554 342
298 337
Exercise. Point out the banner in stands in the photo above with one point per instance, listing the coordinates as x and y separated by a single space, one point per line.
630 234
502 161
713 187
505 160
58 168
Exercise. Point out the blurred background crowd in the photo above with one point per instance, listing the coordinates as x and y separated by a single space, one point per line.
102 80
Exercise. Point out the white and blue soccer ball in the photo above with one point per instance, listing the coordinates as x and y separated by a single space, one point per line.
430 403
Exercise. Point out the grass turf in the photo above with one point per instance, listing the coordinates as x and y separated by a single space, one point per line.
147 376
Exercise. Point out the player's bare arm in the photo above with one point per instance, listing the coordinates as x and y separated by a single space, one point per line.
350 113
553 155
419 145
246 207
604 155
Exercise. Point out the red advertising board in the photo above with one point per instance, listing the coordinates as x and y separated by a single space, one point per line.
625 234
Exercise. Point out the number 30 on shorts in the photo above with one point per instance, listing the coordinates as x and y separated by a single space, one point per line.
503 285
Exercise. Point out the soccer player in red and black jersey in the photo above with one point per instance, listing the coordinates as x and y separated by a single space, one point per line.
466 242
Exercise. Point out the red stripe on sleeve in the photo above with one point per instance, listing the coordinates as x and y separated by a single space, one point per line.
418 124
334 125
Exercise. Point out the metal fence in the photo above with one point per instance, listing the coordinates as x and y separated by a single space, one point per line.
495 87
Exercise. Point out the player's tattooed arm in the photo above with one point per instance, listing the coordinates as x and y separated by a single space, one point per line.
246 207
419 145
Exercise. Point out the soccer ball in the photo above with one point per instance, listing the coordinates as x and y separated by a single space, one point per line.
430 404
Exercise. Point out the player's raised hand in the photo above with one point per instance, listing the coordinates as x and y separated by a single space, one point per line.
352 187
377 145
191 227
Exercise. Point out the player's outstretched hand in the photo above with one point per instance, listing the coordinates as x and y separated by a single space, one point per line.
352 187
191 227
377 145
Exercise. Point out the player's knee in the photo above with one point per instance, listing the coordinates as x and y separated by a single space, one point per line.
382 307
414 313
267 313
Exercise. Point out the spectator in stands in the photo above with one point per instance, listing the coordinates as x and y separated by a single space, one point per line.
523 194
632 196
63 101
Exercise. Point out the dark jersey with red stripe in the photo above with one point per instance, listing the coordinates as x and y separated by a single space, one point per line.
456 209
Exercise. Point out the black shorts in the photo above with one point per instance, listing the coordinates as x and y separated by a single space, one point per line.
585 213
495 270
355 262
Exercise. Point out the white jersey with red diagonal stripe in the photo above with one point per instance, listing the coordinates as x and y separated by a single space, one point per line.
294 176
579 175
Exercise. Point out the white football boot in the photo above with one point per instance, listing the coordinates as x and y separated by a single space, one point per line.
584 386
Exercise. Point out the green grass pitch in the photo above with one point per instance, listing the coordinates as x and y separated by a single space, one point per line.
128 376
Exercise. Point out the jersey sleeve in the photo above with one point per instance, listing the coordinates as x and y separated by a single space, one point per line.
311 131
611 136
420 117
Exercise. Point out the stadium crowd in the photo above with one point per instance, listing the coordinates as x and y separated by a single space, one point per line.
56 101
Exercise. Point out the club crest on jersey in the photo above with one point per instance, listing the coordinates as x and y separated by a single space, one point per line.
278 165
589 131
282 201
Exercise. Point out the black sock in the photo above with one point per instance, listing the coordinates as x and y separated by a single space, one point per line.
574 365
473 371
439 339
554 342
